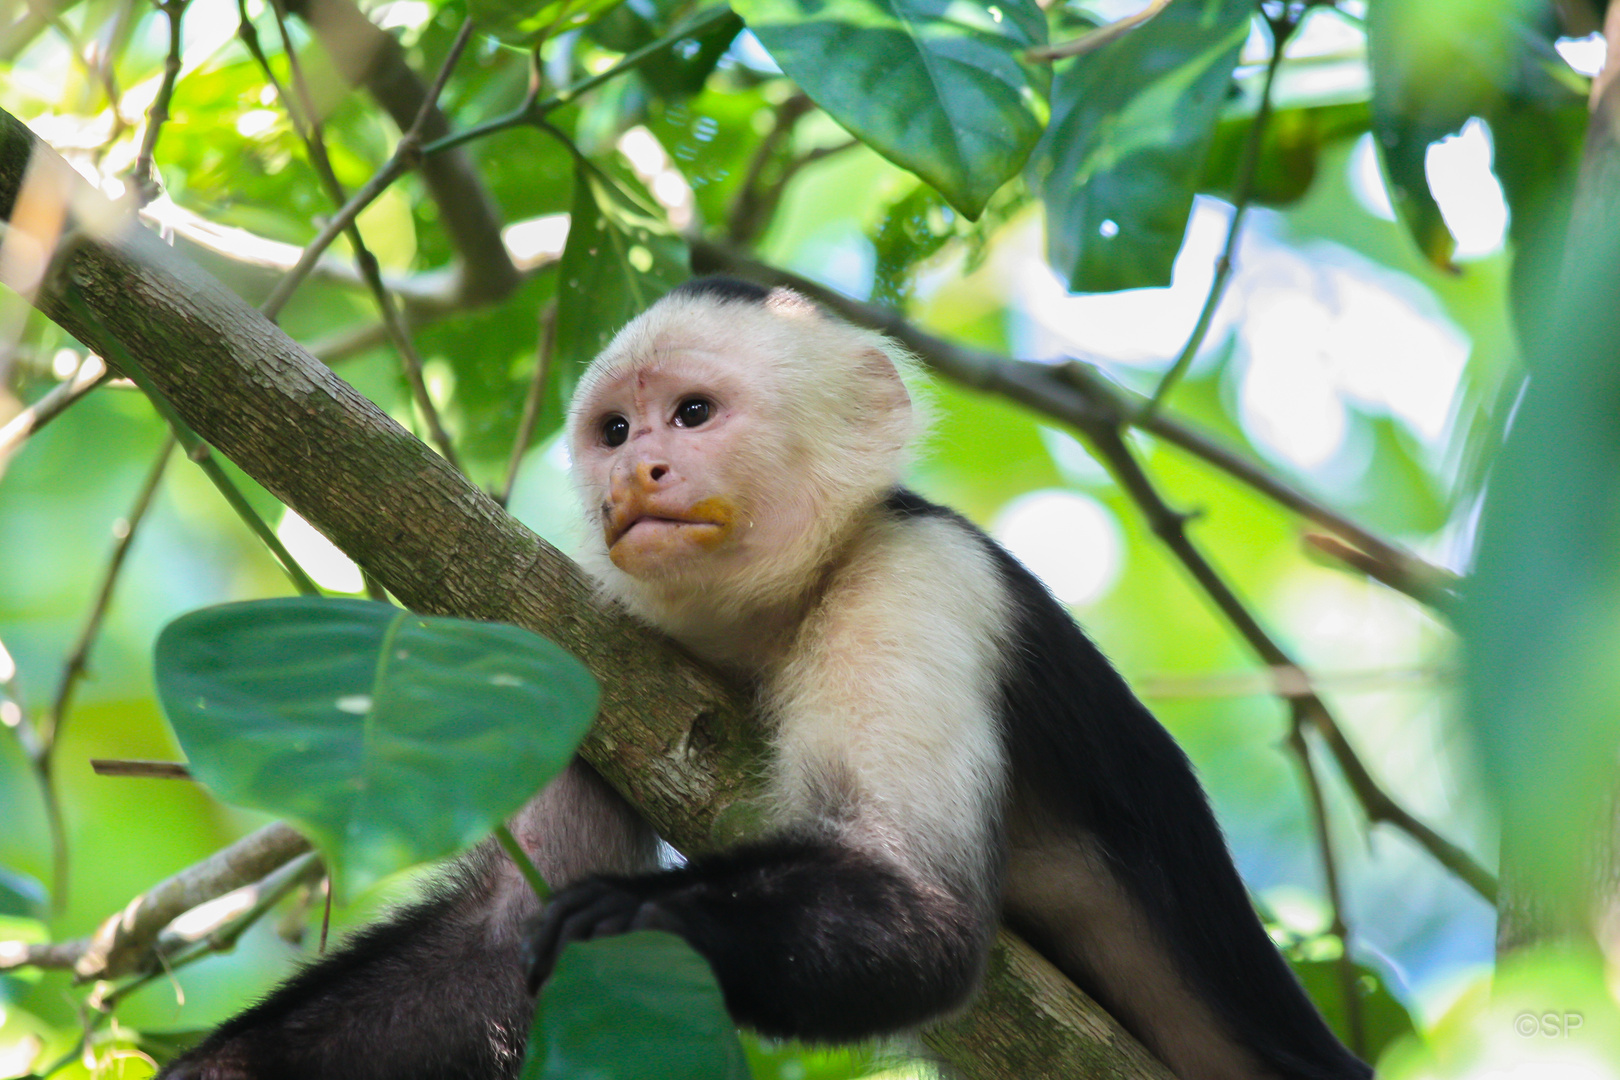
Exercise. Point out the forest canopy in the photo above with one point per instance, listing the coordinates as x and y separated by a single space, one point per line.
1273 336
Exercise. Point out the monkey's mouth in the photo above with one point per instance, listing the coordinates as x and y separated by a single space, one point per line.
655 526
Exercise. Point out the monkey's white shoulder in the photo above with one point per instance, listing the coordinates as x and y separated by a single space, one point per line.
885 705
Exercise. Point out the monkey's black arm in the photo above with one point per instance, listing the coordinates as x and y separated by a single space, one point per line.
435 992
809 938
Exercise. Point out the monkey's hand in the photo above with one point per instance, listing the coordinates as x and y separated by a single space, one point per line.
597 907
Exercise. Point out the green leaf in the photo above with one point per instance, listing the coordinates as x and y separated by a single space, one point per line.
620 257
389 737
914 227
634 1006
1131 126
523 21
1289 150
937 87
21 895
1435 64
1383 1018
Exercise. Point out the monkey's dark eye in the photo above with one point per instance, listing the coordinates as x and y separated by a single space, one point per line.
693 412
615 429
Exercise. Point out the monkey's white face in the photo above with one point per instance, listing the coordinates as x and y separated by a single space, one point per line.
659 451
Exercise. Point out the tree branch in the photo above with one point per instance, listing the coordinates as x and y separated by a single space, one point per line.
678 741
122 941
369 57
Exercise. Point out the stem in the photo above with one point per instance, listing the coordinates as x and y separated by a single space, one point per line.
74 666
407 154
91 374
1330 874
1095 39
196 449
1242 192
521 860
531 400
314 142
531 110
158 114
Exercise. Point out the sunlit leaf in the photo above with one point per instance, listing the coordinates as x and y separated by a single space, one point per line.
390 737
639 1006
1131 124
520 21
936 87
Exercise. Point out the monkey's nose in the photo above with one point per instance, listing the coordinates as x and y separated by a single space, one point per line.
649 473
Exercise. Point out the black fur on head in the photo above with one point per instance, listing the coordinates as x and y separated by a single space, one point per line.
719 287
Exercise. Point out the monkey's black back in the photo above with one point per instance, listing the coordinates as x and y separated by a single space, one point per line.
1091 756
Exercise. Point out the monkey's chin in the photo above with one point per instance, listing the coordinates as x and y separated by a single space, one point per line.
659 549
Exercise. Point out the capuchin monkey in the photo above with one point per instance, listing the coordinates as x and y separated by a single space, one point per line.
948 749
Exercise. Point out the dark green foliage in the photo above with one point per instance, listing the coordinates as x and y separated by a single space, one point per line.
936 87
390 737
1131 124
641 1006
621 256
1384 1020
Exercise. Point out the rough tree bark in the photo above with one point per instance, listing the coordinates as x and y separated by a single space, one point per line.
674 737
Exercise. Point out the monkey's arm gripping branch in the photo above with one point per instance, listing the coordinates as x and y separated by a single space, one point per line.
809 939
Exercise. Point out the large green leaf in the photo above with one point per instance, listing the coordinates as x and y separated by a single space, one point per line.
1131 125
620 257
936 86
639 1006
390 737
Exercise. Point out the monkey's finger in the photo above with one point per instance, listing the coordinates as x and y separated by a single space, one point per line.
591 922
543 929
552 931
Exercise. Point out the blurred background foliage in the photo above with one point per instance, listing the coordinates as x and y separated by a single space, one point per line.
1402 172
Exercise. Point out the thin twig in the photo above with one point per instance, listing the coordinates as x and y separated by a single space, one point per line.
751 208
196 449
1242 192
407 154
311 133
73 669
124 937
1170 527
99 73
1093 40
530 109
1349 983
1440 593
158 114
154 770
1396 567
531 400
90 374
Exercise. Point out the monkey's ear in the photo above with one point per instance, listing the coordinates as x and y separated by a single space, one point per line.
888 392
